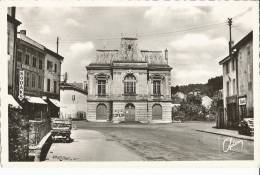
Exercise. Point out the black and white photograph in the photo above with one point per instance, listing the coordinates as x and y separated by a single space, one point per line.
132 83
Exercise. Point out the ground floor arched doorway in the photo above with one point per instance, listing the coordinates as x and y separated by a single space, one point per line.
101 113
129 112
157 112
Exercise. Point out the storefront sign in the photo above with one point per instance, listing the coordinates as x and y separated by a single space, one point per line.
21 85
242 101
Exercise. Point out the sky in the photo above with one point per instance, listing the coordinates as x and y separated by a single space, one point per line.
195 36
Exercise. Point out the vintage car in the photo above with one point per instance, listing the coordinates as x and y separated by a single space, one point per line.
246 126
61 129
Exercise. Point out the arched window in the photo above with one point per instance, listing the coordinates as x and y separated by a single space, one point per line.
129 84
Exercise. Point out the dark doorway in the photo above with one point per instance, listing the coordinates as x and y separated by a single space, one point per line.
101 112
129 112
157 112
232 115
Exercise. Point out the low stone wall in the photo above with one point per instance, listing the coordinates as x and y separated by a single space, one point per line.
38 129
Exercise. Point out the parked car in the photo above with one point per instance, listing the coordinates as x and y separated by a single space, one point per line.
61 129
246 126
178 118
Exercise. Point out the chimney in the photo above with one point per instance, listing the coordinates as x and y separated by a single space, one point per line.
13 12
166 55
23 32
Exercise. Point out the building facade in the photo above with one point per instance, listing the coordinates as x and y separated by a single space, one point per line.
30 75
52 75
73 101
129 84
238 82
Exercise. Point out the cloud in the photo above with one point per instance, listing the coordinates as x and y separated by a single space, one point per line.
77 56
72 22
195 57
241 13
199 43
193 54
159 16
194 75
46 30
81 48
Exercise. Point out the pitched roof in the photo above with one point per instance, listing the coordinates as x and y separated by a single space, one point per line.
238 45
53 53
69 86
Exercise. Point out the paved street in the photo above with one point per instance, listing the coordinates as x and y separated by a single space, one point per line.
124 142
90 145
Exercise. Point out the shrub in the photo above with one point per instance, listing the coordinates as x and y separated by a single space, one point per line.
18 135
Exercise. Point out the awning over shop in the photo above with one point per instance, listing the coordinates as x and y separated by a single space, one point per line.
13 103
36 100
55 102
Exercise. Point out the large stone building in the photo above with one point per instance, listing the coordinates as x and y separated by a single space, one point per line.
238 83
129 84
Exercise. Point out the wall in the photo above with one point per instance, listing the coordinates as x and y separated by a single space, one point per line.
228 77
92 83
118 82
129 60
26 48
69 108
10 52
245 72
53 76
92 106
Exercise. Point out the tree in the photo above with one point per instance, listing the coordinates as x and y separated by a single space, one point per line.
192 108
214 84
174 90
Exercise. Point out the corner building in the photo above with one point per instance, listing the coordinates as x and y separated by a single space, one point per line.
129 84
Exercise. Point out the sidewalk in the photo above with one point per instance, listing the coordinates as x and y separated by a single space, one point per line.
224 132
208 127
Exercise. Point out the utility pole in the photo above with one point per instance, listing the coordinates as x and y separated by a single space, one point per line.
230 37
57 45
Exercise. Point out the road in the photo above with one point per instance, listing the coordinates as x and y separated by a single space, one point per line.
151 142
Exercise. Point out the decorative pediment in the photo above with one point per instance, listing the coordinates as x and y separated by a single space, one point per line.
157 77
102 76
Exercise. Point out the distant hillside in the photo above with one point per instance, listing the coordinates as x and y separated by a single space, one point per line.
209 88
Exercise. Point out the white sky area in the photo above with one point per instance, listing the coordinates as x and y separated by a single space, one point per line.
196 36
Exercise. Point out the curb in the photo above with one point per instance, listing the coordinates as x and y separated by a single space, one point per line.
238 137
